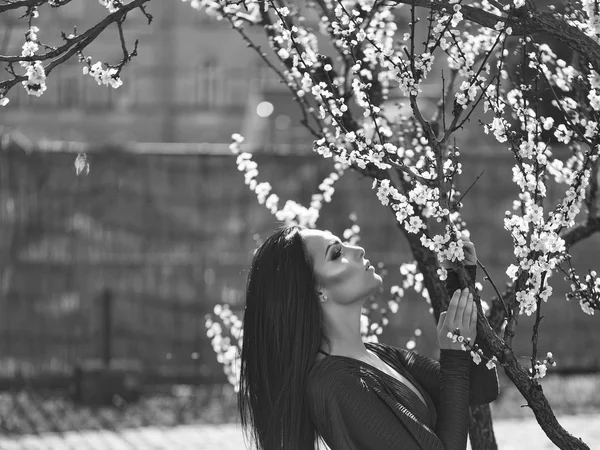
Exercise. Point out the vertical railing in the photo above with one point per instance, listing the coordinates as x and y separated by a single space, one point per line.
106 305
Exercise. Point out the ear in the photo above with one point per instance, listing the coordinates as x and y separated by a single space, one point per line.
322 297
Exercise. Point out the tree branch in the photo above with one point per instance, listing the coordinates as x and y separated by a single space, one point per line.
72 47
21 4
526 20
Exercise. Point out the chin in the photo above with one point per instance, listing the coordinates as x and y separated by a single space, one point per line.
377 282
378 278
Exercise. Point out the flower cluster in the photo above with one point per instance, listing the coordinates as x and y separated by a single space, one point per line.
292 212
593 23
36 74
588 292
455 336
476 352
538 245
227 350
103 76
411 278
540 368
111 5
352 234
427 201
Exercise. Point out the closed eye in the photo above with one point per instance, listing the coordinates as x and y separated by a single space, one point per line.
336 253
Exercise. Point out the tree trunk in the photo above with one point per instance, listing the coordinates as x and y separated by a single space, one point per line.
481 431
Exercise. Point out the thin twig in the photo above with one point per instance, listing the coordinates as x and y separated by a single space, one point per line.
506 311
536 326
469 188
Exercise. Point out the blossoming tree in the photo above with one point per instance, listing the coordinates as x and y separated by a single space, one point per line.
413 159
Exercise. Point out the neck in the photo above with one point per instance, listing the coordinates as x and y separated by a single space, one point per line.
342 327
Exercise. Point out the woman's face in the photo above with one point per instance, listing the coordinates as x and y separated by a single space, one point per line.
342 272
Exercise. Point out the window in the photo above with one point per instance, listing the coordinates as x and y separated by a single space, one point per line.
75 9
69 86
208 83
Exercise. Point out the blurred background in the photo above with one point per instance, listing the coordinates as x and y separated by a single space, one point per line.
121 267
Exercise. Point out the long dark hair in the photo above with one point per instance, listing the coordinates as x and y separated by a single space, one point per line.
282 332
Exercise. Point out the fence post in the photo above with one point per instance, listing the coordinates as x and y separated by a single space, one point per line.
106 326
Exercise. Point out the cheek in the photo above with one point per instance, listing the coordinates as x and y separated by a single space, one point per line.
342 277
333 277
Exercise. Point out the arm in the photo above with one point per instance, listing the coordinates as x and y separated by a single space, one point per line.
452 425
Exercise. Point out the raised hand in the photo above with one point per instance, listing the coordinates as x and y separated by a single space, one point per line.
461 315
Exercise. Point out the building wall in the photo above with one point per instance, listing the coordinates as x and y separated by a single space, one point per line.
189 82
194 80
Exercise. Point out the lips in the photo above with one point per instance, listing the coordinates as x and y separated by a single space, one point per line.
367 265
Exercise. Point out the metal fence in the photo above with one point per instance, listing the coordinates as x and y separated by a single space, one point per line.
117 266
125 262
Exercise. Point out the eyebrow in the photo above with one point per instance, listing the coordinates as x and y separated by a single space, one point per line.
330 244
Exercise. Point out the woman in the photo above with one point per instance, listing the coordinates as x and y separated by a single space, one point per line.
306 372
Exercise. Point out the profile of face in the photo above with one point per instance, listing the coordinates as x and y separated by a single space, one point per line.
342 272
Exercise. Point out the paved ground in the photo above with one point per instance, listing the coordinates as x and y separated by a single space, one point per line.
513 434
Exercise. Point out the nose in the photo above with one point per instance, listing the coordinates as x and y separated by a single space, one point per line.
361 252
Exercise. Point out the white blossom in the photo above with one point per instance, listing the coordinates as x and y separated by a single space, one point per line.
491 363
103 76
539 371
112 5
512 272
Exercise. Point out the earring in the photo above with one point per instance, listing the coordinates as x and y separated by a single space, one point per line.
324 298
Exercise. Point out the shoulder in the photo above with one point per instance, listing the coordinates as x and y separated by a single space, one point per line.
328 373
382 349
333 383
416 363
334 375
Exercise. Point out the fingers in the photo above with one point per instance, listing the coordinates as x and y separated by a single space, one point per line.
460 309
468 248
473 321
456 309
468 311
441 321
453 307
468 244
